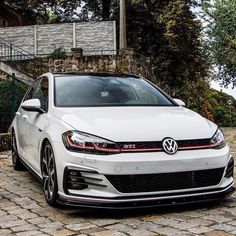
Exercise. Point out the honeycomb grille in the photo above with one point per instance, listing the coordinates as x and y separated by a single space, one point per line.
195 142
166 181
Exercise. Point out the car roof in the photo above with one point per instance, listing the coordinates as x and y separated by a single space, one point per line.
104 74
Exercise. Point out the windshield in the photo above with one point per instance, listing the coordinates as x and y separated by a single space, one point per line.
89 90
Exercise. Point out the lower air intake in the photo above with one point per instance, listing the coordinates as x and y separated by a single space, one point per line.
166 181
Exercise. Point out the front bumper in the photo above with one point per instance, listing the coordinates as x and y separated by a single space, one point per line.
100 192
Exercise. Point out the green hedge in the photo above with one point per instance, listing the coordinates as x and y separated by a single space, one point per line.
6 96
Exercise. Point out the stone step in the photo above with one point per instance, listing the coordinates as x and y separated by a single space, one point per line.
6 69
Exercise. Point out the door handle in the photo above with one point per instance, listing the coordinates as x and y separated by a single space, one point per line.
17 113
25 117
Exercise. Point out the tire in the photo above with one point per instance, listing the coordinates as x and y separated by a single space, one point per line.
48 167
16 161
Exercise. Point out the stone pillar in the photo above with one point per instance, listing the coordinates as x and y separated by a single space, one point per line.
77 52
127 51
126 60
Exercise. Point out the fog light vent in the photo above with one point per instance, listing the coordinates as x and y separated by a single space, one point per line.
230 168
78 179
74 180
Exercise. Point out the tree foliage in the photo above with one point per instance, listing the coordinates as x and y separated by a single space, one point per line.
223 114
45 11
171 35
221 41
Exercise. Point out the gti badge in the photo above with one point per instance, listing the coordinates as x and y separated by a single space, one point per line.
129 146
170 146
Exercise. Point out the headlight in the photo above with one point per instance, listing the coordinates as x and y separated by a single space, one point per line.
218 141
81 142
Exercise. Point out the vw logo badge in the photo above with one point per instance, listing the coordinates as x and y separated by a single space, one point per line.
170 146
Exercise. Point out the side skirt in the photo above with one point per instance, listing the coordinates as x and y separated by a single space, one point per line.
31 170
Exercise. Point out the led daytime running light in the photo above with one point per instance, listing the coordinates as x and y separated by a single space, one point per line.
217 141
82 142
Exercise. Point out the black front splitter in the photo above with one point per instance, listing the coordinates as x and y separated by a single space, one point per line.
151 203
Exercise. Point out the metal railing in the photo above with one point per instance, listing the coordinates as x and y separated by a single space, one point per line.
10 52
15 89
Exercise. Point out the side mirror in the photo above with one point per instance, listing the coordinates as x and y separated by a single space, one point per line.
32 105
180 102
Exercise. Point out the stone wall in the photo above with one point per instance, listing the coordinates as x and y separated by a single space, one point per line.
124 62
54 36
43 39
20 36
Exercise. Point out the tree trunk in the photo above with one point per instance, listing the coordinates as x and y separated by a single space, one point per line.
106 5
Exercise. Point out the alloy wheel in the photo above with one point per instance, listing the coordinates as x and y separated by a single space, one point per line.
49 172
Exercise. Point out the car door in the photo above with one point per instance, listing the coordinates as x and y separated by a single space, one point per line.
36 124
21 116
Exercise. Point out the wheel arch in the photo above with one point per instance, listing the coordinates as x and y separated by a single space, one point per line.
13 131
44 141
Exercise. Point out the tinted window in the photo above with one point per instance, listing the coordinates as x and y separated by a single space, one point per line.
31 91
41 92
87 90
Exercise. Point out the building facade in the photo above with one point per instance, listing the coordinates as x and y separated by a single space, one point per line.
8 17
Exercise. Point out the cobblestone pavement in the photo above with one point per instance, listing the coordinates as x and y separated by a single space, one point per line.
23 212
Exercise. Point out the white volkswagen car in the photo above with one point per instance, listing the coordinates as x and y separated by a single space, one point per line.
117 141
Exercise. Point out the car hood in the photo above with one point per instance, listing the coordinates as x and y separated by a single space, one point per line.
138 123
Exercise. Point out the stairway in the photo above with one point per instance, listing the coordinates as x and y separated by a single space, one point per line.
9 70
9 55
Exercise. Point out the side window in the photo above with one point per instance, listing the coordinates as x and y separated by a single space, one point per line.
41 92
31 91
